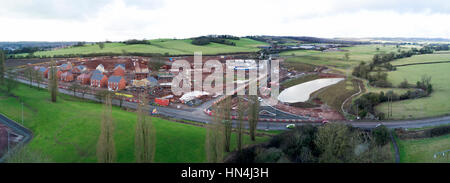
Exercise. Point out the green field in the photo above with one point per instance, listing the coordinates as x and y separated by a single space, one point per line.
422 150
67 131
438 103
336 60
423 59
162 46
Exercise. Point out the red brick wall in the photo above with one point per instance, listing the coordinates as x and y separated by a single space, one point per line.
119 72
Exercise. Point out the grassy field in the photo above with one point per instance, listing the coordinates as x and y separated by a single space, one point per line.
67 131
335 95
162 46
336 59
296 81
438 103
423 150
423 59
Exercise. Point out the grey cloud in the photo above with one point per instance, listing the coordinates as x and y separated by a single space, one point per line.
400 6
64 9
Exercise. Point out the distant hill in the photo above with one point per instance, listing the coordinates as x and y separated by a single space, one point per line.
404 39
170 47
303 39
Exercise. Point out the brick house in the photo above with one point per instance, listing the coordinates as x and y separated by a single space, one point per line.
99 80
67 76
119 70
46 73
66 67
79 69
43 71
58 74
116 83
84 78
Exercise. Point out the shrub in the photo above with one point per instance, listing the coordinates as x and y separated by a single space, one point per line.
381 135
404 84
271 155
438 131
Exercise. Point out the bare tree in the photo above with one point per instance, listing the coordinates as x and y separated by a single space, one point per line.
240 125
214 145
2 66
53 82
30 75
74 87
226 113
106 151
38 76
11 82
253 115
155 64
84 89
145 140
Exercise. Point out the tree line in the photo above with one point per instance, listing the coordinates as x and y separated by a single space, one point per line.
219 131
205 40
367 102
330 143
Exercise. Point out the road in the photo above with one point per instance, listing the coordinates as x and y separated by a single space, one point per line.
17 128
196 114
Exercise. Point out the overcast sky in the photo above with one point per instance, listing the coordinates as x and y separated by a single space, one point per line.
117 20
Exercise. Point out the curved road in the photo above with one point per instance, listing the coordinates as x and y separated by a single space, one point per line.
197 114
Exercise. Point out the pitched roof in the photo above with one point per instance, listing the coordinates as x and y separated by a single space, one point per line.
115 79
97 72
81 67
97 77
119 65
42 69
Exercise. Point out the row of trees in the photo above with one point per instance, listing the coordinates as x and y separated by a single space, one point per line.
73 55
367 102
363 70
330 143
135 41
145 135
219 131
204 40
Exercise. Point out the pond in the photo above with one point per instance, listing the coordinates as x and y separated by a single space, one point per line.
302 92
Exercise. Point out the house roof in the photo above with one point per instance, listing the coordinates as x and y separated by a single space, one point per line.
97 77
115 79
42 69
85 75
119 65
97 72
81 67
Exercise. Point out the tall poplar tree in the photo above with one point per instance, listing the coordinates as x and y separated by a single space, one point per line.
145 137
53 82
106 151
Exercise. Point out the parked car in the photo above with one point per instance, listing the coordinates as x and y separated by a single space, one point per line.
290 126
